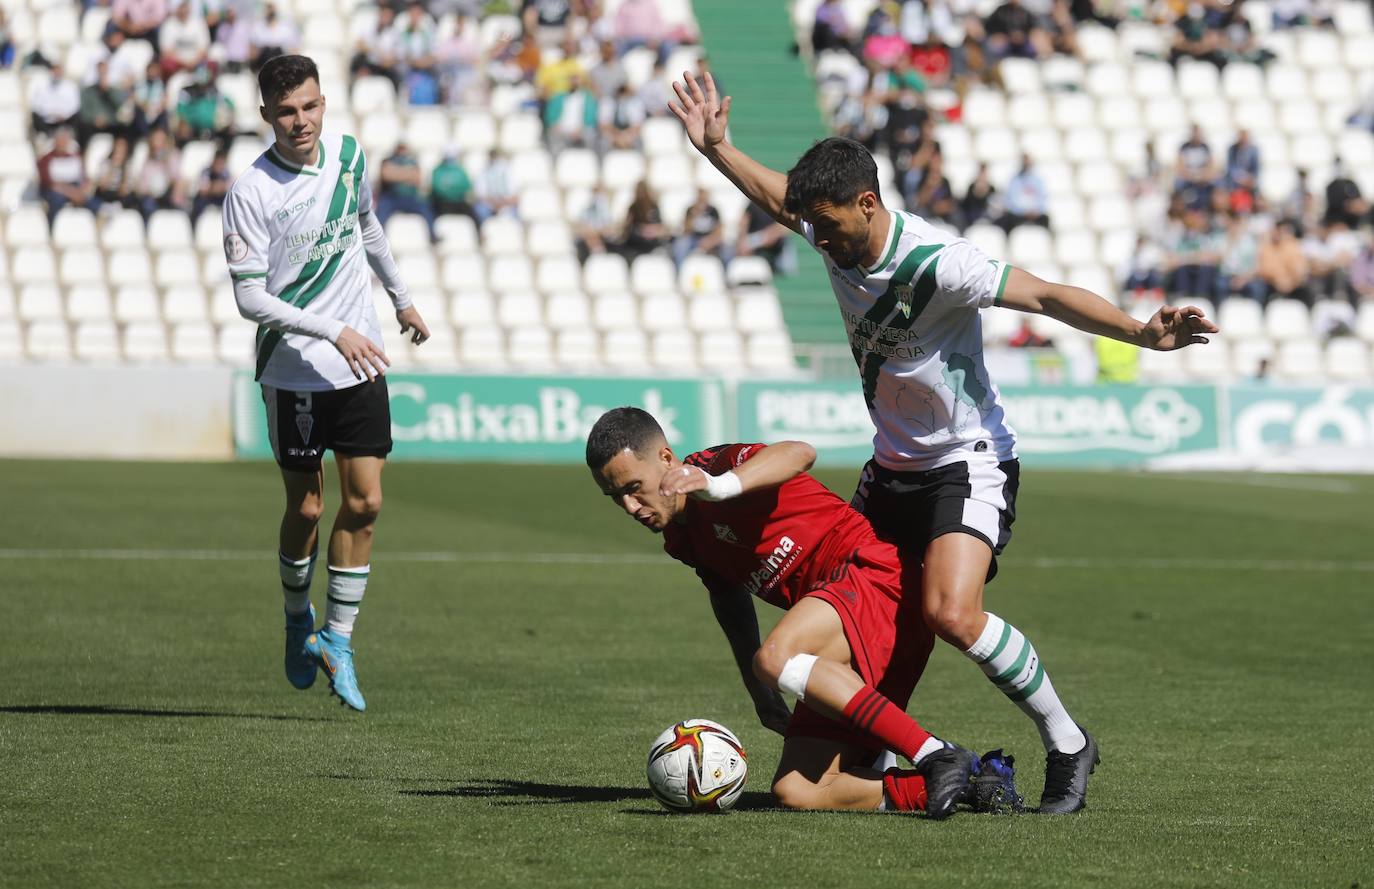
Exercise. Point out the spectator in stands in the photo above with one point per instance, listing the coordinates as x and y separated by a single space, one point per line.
1282 266
6 40
1242 164
1025 337
400 189
622 118
639 23
979 200
272 36
522 56
1344 203
1239 267
378 50
62 176
594 228
213 185
926 22
202 111
112 182
416 35
643 230
234 34
54 102
450 187
934 199
1142 274
496 188
1329 249
1012 32
1193 173
1194 256
831 29
654 92
572 119
907 129
1236 38
883 44
1298 13
106 108
1060 31
139 19
126 59
159 185
1194 39
609 75
1360 273
458 59
150 95
762 235
1027 201
546 19
932 62
1299 206
185 41
702 230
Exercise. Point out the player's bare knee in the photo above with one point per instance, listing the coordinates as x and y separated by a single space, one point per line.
307 511
769 661
953 620
795 792
365 507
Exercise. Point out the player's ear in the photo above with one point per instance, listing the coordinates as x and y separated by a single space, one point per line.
262 111
665 455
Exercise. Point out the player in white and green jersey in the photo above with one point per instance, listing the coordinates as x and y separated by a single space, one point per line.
299 237
942 484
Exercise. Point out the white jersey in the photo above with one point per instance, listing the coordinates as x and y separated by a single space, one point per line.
917 337
297 227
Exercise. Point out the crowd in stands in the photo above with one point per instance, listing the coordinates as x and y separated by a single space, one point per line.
1218 236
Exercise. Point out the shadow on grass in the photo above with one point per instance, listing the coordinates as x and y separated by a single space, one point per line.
504 792
101 710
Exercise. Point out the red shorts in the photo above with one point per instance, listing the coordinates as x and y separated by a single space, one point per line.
889 642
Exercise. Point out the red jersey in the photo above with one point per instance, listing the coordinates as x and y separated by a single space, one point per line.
778 544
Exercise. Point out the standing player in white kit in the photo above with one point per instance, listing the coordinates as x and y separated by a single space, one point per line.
299 237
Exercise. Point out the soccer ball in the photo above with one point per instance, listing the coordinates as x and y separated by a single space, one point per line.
697 766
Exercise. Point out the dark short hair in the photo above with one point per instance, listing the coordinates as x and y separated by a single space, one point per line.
282 74
621 429
834 170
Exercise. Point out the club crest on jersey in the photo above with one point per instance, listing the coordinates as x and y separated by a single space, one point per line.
904 294
347 179
305 424
725 533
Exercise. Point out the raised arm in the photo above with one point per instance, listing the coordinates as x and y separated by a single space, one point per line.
1172 327
734 610
704 116
771 467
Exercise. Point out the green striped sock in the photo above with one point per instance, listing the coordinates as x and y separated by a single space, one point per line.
296 576
1010 661
346 588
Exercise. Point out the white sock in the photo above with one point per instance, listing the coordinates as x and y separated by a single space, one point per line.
932 745
346 588
295 582
1010 661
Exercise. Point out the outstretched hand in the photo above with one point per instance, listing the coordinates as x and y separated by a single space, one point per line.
410 320
704 115
364 358
683 480
1174 327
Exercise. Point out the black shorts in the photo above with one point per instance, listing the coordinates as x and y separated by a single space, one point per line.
910 509
355 422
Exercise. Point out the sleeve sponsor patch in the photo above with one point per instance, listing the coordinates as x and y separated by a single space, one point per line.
235 248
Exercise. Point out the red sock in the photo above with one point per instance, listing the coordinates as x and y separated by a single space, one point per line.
905 790
869 713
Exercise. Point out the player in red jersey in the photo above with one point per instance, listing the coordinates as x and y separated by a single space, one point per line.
750 520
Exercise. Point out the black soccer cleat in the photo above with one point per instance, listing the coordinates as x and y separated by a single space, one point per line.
993 790
1066 778
948 774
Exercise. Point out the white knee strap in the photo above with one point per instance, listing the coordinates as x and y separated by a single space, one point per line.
795 674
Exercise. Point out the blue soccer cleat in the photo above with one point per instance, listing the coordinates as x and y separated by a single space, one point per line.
300 666
336 659
993 789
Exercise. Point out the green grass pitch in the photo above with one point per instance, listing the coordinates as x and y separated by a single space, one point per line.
1214 632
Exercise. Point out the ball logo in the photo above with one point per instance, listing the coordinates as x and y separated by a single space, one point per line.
235 248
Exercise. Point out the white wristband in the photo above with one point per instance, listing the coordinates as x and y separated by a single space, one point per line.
722 487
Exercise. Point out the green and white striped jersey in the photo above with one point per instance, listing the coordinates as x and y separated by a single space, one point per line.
917 338
297 227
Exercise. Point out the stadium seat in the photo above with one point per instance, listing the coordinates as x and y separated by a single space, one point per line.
26 227
511 273
605 273
1075 246
1285 82
710 311
1242 319
407 233
380 134
701 273
616 310
87 303
994 144
122 231
1299 361
721 350
771 352
577 348
1195 80
372 95
626 349
134 303
663 311
483 347
554 274
520 132
427 130
193 343
1210 363
144 342
223 308
1286 319
40 302
567 308
1021 77
177 269
209 233
33 265
1043 144
531 167
519 308
475 130
1300 117
73 227
463 272
1162 367
662 136
550 238
457 235
48 341
234 345
622 169
744 270
576 168
674 350
439 352
651 273
184 305
96 341
758 311
81 265
503 234
1347 359
472 307
984 107
530 347
540 203
1352 17
1029 244
1318 48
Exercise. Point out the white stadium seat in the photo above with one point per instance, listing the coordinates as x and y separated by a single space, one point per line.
482 347
193 343
33 265
471 307
577 348
530 347
81 265
568 308
40 302
707 312
615 311
96 342
605 273
663 311
626 349
651 273
48 341
73 227
1286 319
1347 359
135 303
1241 319
1299 361
674 350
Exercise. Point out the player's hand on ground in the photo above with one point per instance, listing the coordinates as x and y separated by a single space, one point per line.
411 321
683 480
773 712
703 114
1174 327
364 357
